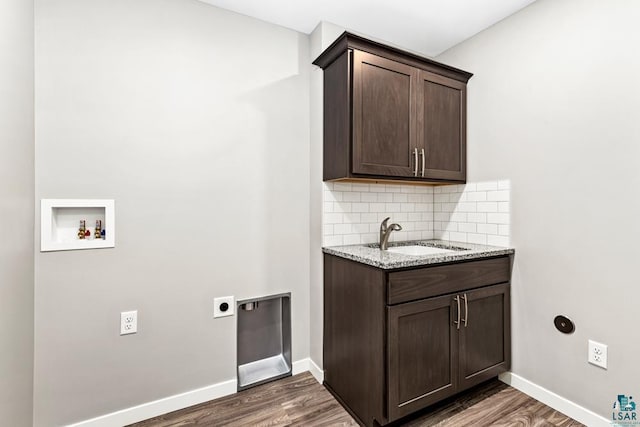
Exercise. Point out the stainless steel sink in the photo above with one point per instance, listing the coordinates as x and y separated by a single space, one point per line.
416 250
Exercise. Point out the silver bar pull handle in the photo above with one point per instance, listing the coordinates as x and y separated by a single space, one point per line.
423 161
466 310
457 322
415 157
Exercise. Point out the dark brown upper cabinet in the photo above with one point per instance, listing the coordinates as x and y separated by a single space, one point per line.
390 114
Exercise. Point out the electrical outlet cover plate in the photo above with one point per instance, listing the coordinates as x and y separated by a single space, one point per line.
128 322
597 354
222 310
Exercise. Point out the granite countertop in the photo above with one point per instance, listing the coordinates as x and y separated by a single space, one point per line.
370 254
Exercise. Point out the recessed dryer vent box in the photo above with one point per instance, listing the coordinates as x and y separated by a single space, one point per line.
264 340
60 223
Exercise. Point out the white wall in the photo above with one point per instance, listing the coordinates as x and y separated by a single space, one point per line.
553 106
196 121
321 37
16 212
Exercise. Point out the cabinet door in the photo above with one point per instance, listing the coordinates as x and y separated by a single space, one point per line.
384 104
441 127
485 335
422 354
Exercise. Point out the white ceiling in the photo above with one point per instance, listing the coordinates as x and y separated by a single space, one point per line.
426 26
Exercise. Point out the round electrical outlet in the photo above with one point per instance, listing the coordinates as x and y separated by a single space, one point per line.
564 324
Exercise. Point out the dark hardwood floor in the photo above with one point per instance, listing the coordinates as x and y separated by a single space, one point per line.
301 401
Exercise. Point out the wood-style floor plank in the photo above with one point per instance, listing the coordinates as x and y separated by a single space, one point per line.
301 401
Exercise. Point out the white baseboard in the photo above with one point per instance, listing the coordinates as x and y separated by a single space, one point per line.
555 401
183 400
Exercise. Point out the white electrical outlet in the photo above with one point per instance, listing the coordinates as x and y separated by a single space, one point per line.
598 354
223 306
128 322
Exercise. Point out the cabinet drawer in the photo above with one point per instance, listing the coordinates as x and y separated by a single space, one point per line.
427 282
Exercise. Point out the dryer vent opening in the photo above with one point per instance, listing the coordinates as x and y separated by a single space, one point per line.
264 340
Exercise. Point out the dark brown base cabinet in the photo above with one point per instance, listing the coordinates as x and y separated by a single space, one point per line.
396 342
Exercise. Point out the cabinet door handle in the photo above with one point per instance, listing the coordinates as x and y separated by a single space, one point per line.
457 322
466 310
415 157
423 161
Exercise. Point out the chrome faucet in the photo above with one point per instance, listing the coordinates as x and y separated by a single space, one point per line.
385 232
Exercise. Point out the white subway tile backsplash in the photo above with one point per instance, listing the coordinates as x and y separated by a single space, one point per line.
458 217
414 235
377 207
400 197
392 188
449 207
351 196
351 217
488 228
487 207
369 197
352 239
369 238
360 207
497 240
339 186
334 240
473 212
330 196
369 217
385 197
408 189
440 198
477 217
342 229
409 226
341 207
487 186
441 216
467 227
407 207
477 196
360 187
467 207
360 228
455 197
480 239
333 218
400 217
427 216
427 235
498 218
458 237
498 196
